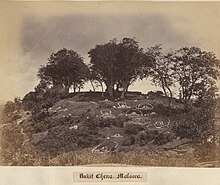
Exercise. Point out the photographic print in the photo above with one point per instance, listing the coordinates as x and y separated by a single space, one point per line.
125 83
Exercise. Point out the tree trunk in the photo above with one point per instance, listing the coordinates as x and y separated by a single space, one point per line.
93 87
170 97
66 89
102 89
125 86
110 89
74 87
185 102
163 87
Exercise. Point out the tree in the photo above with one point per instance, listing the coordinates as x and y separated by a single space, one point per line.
96 80
130 59
195 71
65 68
103 62
160 69
117 63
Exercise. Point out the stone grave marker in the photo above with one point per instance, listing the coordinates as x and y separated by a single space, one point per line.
123 105
134 113
104 148
106 114
158 124
117 135
162 124
147 106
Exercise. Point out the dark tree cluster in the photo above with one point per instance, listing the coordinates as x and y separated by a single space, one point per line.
187 72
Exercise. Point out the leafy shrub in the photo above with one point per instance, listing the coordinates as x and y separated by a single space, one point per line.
43 99
144 137
154 95
166 110
197 123
163 138
112 122
62 139
128 141
12 106
107 122
40 116
133 128
9 107
105 106
91 122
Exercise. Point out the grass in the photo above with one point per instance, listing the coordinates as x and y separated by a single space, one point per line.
130 158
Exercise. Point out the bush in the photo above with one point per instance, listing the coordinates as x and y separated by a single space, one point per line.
39 99
12 106
129 140
62 139
107 122
112 122
163 138
197 123
9 107
105 106
133 129
40 116
166 110
144 137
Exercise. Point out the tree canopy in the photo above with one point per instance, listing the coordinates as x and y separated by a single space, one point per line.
194 71
117 63
188 71
65 68
160 70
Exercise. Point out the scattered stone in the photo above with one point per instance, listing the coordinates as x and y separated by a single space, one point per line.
153 113
19 121
93 102
75 127
210 139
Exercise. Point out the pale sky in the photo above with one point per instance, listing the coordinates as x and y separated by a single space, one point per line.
45 28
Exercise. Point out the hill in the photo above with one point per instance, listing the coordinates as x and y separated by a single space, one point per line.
83 130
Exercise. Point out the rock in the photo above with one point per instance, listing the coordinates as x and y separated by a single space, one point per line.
39 137
75 127
153 113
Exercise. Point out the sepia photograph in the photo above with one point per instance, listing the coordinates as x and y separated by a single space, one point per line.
103 83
